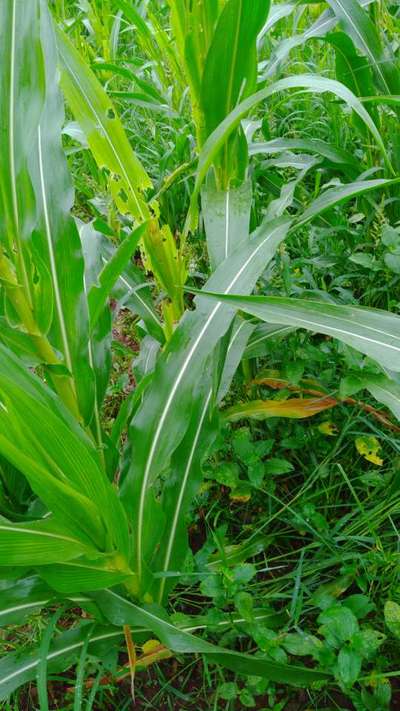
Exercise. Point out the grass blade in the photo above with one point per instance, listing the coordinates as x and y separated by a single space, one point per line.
80 672
41 676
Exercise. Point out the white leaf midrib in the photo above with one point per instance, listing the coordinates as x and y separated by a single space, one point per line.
45 534
16 608
11 148
53 266
173 528
227 223
11 117
350 333
57 653
173 391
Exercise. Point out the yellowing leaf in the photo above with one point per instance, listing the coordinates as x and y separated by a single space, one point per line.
153 652
375 459
328 428
151 646
241 494
296 408
165 260
368 446
392 617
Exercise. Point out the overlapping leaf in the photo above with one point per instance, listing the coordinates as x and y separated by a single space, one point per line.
17 669
40 239
169 396
40 437
183 482
233 46
365 35
307 82
371 331
120 611
104 132
226 215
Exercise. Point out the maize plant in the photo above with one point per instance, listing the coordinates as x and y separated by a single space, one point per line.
93 518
